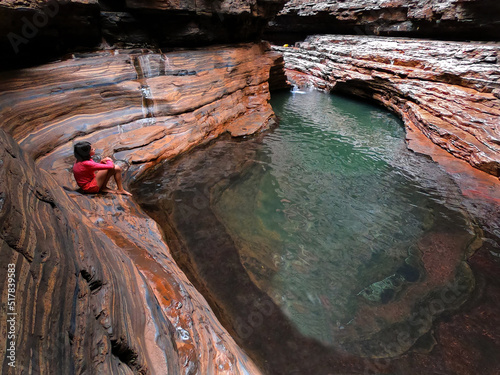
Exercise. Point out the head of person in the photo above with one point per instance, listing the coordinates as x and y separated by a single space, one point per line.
83 150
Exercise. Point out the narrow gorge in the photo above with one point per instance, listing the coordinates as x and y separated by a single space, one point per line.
100 283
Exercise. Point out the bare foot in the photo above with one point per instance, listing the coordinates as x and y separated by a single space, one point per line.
107 190
124 192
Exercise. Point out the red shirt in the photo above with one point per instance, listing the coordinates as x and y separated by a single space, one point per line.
84 170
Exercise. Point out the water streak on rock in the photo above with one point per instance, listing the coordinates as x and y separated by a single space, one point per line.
106 278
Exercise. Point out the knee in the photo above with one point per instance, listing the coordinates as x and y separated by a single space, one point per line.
117 168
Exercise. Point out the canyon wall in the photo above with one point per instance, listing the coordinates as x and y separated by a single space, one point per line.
32 31
89 302
449 91
447 19
98 291
140 106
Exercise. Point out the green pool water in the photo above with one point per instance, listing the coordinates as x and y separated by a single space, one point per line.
357 243
334 205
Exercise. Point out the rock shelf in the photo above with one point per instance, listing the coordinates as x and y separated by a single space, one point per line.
447 90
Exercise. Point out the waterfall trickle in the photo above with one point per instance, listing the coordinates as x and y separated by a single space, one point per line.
145 69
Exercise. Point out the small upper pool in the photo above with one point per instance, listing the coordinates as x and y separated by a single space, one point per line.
322 243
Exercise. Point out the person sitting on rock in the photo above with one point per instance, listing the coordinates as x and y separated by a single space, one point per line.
85 173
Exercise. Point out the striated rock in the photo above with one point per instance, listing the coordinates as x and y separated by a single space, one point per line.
444 89
32 31
186 23
139 106
98 291
447 19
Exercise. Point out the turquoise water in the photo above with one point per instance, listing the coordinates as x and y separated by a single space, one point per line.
352 241
335 205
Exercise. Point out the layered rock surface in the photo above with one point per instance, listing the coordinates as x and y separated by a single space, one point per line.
447 90
448 19
139 106
98 289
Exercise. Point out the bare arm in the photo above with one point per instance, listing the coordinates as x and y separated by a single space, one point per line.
104 164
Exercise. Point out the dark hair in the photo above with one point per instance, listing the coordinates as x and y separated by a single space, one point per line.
82 151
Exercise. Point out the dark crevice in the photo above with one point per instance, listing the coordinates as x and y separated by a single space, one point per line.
125 354
112 5
93 284
44 197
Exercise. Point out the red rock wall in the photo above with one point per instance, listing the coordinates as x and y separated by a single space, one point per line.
98 291
139 106
72 315
93 296
437 19
447 90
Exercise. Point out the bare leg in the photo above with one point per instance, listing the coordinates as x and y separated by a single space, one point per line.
102 177
118 179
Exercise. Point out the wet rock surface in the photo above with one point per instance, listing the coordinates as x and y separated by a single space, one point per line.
444 89
98 290
139 106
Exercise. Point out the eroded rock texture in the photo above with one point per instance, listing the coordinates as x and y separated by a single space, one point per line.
447 19
33 30
139 106
90 299
98 291
447 90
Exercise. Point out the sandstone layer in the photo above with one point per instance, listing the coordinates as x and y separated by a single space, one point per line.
448 19
140 106
98 291
31 31
447 90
